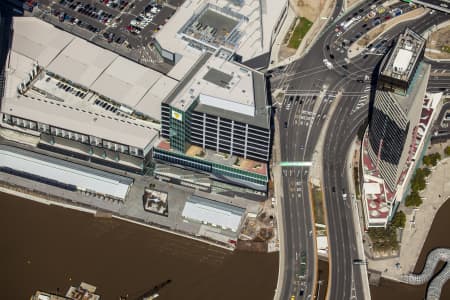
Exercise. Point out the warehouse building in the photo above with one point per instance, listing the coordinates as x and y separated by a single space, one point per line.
213 213
63 174
80 99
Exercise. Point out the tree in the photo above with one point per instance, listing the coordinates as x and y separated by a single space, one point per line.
399 220
383 239
413 199
447 151
431 159
418 180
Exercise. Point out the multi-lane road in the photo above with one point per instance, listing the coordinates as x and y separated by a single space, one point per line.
310 91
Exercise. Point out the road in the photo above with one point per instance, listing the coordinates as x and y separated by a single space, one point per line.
310 89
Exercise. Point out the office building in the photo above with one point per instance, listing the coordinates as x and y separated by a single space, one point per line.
217 120
398 128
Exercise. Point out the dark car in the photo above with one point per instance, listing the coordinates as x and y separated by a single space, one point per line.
285 124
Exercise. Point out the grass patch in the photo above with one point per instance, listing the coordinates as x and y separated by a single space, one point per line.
446 49
300 30
318 205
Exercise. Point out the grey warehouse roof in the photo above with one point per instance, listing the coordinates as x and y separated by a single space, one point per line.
212 212
84 178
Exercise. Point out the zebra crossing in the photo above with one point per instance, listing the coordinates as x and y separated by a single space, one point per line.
363 100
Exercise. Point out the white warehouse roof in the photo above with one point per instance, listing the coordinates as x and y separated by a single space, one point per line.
91 66
83 178
214 213
82 62
38 40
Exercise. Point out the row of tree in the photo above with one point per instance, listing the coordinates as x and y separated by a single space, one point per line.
418 184
431 160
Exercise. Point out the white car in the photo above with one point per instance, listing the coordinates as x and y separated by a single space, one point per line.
358 18
339 34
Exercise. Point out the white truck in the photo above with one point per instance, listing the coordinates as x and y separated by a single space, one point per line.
328 64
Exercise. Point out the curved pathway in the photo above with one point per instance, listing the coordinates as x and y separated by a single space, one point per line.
435 287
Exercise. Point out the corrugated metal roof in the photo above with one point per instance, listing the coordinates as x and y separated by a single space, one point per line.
214 213
65 172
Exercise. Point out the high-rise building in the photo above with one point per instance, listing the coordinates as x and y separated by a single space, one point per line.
398 128
397 106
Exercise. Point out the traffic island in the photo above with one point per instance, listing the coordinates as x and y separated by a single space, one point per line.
360 45
438 43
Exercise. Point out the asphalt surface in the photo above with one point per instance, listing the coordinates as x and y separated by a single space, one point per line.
136 47
308 78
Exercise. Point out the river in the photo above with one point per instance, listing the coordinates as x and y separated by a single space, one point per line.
438 237
49 248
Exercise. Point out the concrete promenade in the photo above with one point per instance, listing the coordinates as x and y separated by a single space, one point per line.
93 211
132 208
418 224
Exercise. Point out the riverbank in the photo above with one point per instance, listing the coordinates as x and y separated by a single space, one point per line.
437 237
418 225
119 258
22 192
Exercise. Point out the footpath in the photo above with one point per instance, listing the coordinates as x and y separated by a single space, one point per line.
318 25
418 222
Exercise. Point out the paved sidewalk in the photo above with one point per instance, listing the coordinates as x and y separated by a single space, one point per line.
287 23
278 192
309 39
418 224
357 217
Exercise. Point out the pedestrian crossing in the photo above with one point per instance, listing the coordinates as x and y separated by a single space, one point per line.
363 100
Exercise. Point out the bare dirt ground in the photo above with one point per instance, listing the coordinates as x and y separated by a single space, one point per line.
351 2
309 9
437 40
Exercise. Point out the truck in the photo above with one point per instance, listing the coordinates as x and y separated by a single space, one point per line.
328 64
347 24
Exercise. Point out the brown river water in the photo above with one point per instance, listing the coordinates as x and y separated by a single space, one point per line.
438 236
50 248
